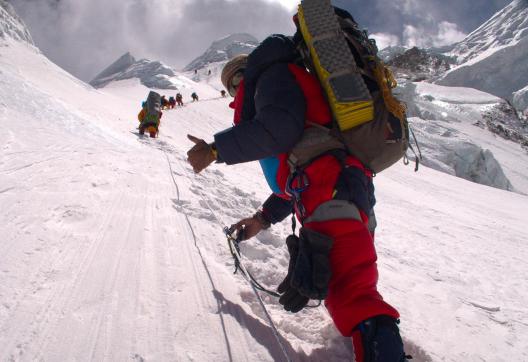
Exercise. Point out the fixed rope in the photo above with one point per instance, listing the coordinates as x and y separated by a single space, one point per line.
234 248
247 276
276 333
228 344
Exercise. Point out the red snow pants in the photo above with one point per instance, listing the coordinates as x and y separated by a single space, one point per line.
352 295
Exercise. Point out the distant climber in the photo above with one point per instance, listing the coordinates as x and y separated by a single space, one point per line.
179 99
150 115
223 93
164 103
194 97
172 102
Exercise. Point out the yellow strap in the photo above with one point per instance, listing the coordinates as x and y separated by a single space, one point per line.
386 81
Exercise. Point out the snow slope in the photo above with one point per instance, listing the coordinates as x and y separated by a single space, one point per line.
493 57
112 249
97 264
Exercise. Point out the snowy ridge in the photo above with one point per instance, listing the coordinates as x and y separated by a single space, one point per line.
224 49
493 57
152 74
117 67
11 25
506 28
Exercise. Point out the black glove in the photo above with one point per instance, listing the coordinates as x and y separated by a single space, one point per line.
291 299
312 272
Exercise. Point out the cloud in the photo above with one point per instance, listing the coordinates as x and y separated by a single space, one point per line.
384 40
391 17
86 36
445 33
448 33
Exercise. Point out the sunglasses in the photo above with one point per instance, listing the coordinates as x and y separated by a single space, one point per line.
234 83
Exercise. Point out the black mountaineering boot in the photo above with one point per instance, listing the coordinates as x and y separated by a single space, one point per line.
380 340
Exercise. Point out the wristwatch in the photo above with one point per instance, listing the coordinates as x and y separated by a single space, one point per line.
259 215
214 151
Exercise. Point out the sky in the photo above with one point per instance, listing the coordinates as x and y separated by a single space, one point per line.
84 37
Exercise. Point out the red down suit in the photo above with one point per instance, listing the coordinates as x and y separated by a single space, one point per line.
272 106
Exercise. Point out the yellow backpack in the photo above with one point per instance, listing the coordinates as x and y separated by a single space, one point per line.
369 122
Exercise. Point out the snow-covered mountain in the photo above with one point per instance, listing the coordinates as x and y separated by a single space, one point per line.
112 248
153 74
504 29
11 25
493 57
224 49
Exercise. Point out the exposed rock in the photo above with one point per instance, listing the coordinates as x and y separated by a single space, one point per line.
503 121
418 64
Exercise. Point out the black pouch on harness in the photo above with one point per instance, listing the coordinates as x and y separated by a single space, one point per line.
291 299
311 273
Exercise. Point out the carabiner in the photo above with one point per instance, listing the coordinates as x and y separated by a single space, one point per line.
302 183
295 191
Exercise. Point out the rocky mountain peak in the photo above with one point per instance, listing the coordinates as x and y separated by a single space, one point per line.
419 64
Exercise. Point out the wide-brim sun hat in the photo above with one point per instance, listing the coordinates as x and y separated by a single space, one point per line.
232 67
